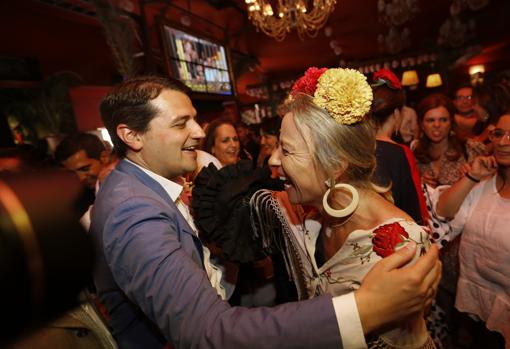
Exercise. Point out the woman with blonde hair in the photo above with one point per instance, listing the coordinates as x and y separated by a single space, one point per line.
327 136
326 155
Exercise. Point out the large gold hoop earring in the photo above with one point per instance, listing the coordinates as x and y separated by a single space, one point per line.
349 209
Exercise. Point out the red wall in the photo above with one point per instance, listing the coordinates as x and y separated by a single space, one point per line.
86 100
58 40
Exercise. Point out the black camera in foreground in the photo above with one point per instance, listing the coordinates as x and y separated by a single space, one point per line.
46 257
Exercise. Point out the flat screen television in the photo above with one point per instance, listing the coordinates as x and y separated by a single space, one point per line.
200 63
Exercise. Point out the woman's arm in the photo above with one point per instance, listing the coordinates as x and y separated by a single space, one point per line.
451 200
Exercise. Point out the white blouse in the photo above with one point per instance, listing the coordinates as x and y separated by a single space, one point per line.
483 288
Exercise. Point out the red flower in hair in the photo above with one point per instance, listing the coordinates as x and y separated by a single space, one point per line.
386 76
308 83
387 237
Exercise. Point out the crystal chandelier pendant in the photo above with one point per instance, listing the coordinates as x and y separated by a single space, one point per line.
289 15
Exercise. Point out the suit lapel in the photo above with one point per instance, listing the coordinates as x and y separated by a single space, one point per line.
125 166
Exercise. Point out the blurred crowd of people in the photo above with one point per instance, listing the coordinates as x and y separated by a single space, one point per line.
444 164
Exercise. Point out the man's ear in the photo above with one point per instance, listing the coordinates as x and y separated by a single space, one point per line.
133 139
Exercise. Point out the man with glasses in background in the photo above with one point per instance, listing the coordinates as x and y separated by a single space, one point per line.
466 116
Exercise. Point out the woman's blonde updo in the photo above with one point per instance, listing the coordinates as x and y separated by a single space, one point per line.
337 146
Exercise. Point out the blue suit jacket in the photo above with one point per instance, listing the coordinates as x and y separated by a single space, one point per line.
150 276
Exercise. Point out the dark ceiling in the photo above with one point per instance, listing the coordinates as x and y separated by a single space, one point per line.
60 37
355 28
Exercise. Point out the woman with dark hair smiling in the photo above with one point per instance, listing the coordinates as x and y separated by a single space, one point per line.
222 141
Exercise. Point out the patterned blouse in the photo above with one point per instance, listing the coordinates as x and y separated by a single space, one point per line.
450 171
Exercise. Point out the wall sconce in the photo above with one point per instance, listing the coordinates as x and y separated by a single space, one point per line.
410 78
476 74
434 80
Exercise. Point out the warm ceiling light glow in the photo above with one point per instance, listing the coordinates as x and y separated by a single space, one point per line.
291 14
434 80
410 78
268 10
476 69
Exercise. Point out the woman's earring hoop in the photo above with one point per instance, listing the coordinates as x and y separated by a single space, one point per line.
349 209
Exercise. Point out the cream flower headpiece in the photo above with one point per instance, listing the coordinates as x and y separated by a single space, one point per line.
344 93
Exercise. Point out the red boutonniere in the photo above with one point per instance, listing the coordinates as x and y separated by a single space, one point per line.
307 84
387 237
386 76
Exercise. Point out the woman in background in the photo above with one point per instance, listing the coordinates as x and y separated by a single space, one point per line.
443 160
479 204
396 166
222 141
269 133
441 157
491 101
409 129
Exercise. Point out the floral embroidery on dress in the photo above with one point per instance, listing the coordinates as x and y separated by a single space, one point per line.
386 239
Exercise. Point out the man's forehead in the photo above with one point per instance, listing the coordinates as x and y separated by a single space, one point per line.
80 154
77 158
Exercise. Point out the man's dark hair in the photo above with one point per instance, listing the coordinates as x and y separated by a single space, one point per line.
70 145
129 103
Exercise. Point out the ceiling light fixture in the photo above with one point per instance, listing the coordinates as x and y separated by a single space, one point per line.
434 80
410 78
289 15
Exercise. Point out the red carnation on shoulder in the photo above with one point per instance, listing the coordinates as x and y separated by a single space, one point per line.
387 237
386 76
308 83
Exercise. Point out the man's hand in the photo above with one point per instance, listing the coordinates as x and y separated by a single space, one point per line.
389 294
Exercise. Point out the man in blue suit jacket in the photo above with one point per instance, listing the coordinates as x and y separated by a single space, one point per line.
152 272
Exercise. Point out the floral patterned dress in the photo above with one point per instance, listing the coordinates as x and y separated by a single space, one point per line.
344 272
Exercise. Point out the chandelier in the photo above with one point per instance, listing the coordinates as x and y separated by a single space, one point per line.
395 40
396 12
290 14
460 26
